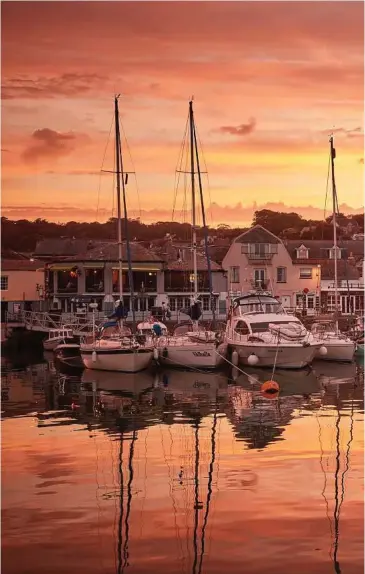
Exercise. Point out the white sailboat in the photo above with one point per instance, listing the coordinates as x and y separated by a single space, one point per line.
195 347
260 333
123 351
339 346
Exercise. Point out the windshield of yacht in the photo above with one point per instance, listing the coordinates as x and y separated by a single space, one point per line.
260 305
264 325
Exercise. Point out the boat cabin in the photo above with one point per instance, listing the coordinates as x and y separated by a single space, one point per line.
63 333
146 328
256 303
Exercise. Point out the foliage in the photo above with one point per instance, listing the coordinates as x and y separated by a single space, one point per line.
22 235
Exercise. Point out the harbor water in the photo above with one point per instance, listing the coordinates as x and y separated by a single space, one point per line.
182 472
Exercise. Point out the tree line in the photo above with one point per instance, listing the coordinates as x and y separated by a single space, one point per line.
22 235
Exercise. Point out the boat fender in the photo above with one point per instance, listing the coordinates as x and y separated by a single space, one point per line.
165 380
270 389
165 353
234 358
93 356
323 351
306 344
155 354
252 359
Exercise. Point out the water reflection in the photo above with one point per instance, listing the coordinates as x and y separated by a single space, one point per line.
194 472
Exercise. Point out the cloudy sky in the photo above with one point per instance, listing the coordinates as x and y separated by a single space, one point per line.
270 81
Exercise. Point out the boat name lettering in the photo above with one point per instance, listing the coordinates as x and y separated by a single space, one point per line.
201 354
201 385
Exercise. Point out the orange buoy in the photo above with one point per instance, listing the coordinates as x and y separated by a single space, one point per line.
270 389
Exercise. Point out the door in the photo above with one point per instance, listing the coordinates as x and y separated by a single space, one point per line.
286 301
347 304
260 278
4 310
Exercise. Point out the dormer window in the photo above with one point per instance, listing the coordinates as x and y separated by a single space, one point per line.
332 252
302 252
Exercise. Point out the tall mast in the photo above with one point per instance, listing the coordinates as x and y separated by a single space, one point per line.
334 209
120 178
119 168
209 266
193 211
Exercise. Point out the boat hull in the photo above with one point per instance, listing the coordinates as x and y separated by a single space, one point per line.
337 351
51 345
284 357
123 360
193 356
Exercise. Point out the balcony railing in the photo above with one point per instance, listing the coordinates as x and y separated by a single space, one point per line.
260 256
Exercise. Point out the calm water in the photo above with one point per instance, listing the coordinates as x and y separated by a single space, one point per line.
182 472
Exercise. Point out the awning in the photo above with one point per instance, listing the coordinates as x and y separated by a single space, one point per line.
99 265
62 266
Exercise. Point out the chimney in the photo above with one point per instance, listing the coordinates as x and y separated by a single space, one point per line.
351 259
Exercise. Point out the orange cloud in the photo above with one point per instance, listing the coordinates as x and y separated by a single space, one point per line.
289 72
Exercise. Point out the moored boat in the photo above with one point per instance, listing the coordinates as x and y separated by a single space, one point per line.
260 333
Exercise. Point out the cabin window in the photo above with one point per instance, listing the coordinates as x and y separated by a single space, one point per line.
305 273
235 274
4 282
242 328
281 275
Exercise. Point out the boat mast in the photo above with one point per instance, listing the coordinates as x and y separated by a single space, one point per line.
209 266
120 178
193 210
334 209
119 168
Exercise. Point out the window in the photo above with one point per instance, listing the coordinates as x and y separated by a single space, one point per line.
259 277
235 274
4 282
299 300
302 252
242 328
332 253
281 275
305 273
94 280
206 303
310 301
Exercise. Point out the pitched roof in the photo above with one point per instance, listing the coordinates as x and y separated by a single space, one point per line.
187 264
109 252
344 270
318 248
64 246
21 265
257 234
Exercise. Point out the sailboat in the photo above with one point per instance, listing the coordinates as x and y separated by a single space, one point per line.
195 347
120 350
339 346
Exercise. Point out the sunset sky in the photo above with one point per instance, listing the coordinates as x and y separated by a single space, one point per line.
270 81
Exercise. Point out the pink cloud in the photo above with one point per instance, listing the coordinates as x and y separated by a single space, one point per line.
49 143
